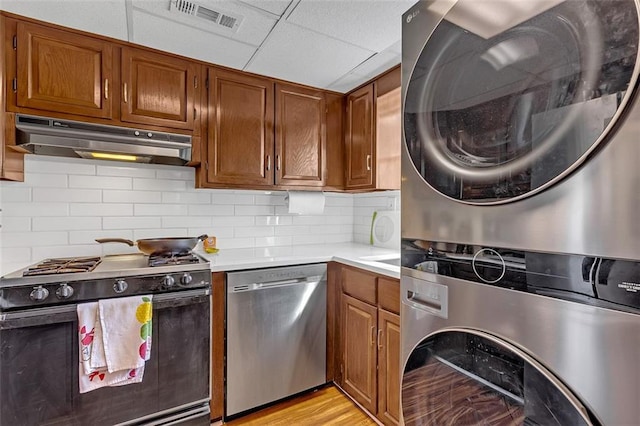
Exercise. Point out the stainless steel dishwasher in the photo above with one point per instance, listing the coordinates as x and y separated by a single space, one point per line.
276 334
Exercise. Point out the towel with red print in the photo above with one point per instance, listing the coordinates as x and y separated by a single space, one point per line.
114 337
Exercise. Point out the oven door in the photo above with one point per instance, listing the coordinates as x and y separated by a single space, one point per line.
39 368
507 98
465 377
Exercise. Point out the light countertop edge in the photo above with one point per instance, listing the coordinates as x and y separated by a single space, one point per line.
353 254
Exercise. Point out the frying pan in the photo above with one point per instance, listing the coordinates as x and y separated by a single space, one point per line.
159 245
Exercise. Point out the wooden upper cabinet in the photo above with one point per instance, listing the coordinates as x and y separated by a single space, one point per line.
300 136
158 89
388 131
63 71
359 142
359 322
240 133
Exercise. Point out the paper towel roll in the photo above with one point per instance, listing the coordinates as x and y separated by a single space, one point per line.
305 202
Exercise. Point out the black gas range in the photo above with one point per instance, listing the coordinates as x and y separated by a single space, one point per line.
73 280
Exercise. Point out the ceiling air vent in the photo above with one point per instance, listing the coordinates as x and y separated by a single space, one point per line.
223 19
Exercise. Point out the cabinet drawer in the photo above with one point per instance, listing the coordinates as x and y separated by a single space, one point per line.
389 294
359 284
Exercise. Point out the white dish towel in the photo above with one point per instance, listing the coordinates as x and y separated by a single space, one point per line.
114 340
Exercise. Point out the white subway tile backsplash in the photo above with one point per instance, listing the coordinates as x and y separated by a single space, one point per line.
66 203
46 180
254 231
100 209
100 182
128 171
34 209
66 223
254 210
186 197
13 194
160 210
33 239
15 224
67 195
159 184
111 196
137 222
176 173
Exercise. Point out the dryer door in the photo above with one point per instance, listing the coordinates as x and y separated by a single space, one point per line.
466 377
508 97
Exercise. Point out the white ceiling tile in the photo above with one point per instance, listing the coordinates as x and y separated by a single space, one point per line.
377 64
104 17
395 47
347 83
277 7
152 31
296 54
372 24
254 27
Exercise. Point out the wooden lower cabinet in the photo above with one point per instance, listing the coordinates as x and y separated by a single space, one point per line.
359 357
368 340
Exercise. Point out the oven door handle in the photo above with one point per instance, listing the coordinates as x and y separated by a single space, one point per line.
67 313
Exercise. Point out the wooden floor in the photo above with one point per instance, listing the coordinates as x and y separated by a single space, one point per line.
327 406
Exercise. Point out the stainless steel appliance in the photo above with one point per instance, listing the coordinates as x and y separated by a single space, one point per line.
39 341
66 138
490 336
276 334
521 122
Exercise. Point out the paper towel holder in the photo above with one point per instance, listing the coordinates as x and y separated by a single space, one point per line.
307 202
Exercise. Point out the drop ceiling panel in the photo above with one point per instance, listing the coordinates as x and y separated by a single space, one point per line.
104 17
277 7
347 83
183 40
373 24
377 64
297 54
254 27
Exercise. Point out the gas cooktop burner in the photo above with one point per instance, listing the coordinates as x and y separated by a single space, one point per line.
183 258
63 266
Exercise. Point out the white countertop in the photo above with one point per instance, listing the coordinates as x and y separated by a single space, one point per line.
358 255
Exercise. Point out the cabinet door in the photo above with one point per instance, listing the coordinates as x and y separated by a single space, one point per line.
388 368
300 136
359 142
158 89
63 71
359 325
240 149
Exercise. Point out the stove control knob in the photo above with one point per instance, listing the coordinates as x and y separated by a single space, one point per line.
120 286
39 294
186 278
65 291
168 281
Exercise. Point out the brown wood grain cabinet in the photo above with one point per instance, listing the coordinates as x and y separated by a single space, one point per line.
62 71
300 149
240 148
373 134
366 346
158 89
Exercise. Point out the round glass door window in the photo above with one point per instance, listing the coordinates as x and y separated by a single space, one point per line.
465 377
508 97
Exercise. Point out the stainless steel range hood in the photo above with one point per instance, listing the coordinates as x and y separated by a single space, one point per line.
65 138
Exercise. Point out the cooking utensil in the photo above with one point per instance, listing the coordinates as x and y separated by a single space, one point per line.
159 245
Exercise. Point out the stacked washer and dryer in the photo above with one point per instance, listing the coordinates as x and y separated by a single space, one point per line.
521 213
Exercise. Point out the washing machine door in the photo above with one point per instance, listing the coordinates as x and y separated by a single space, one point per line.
467 377
508 97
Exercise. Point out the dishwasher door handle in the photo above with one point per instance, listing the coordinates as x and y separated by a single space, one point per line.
273 284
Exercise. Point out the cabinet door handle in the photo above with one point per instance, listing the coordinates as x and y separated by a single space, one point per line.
380 339
369 162
373 335
195 113
278 162
268 162
106 88
126 94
